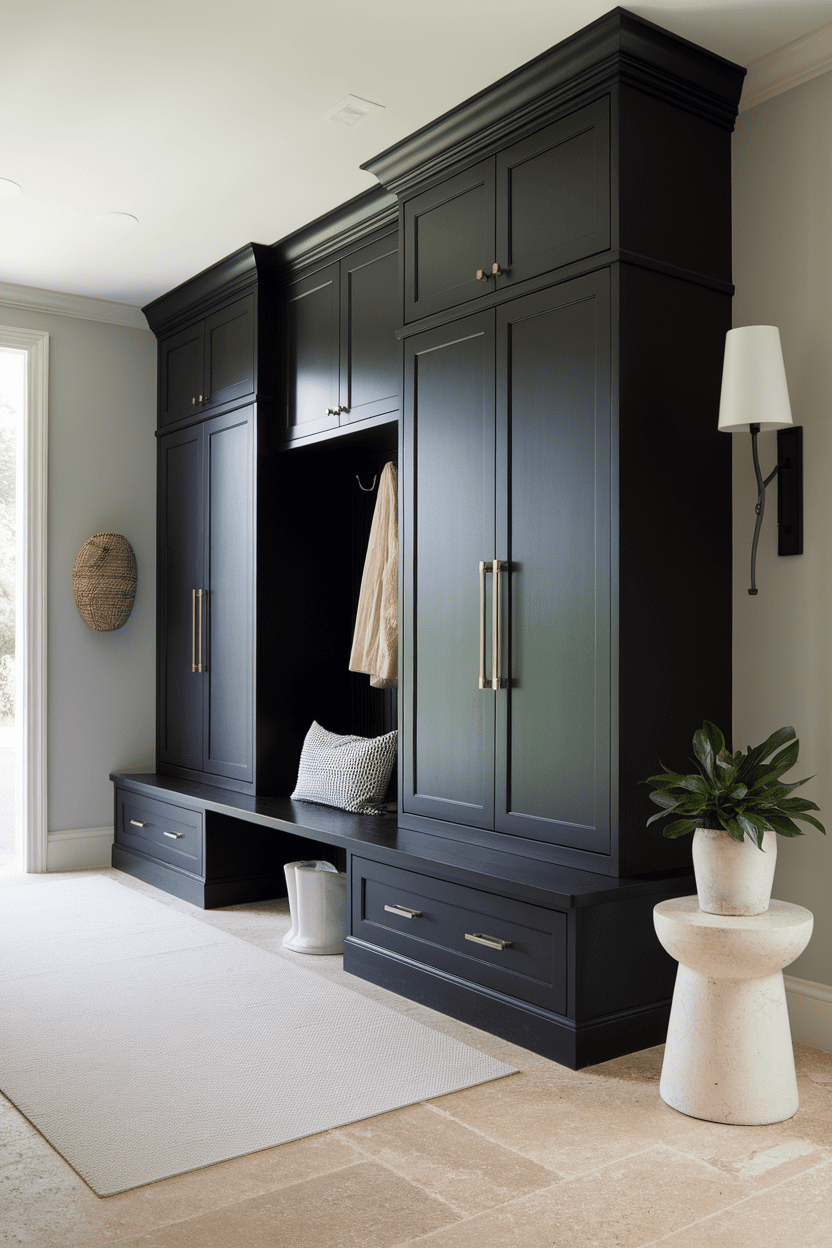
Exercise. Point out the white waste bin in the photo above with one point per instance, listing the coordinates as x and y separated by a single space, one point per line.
318 905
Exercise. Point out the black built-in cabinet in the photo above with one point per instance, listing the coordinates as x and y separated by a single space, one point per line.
553 340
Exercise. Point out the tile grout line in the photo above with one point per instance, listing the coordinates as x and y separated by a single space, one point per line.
565 1178
762 1191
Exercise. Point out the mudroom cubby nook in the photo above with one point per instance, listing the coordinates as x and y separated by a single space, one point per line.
526 317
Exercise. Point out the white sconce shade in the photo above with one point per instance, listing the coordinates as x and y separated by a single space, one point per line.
754 388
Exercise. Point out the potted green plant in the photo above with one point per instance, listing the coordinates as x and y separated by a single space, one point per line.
735 805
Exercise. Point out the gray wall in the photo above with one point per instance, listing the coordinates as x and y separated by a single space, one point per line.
783 637
101 696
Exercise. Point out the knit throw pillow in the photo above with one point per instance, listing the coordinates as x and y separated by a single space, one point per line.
351 773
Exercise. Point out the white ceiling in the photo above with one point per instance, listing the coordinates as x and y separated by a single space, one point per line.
203 118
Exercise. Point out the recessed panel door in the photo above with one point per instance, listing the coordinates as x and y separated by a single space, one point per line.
229 352
228 631
371 357
312 312
553 718
181 374
553 195
180 577
448 528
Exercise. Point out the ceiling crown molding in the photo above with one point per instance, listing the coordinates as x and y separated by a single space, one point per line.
33 299
797 62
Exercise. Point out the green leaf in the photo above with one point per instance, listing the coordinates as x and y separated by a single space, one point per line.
733 828
786 759
716 737
752 830
664 799
704 751
784 826
682 827
814 822
791 805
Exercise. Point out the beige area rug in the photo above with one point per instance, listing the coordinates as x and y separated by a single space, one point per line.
143 1043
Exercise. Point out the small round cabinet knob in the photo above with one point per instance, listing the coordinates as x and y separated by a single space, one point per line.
482 276
496 270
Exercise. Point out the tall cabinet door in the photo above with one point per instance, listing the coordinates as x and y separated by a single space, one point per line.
448 528
180 577
553 508
228 622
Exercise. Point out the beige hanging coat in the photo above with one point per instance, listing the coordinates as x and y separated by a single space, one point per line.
375 646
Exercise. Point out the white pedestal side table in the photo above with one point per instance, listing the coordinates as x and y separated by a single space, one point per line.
729 1056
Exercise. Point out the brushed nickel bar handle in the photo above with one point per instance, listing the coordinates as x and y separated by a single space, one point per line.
193 630
137 823
493 942
404 911
199 666
496 682
174 836
484 683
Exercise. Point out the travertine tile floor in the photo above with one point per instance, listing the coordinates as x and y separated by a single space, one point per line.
547 1158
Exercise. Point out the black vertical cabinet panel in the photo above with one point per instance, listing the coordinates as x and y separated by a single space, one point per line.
449 527
229 555
370 373
553 507
180 572
312 312
674 546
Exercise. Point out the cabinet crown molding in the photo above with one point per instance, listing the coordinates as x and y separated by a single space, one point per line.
618 47
199 294
338 231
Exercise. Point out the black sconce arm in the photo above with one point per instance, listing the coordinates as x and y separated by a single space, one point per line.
790 501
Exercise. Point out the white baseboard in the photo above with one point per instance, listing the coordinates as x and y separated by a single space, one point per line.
810 1012
78 848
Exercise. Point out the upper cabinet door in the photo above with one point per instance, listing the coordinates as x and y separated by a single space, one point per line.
209 363
312 312
553 196
535 207
229 352
181 374
370 375
448 239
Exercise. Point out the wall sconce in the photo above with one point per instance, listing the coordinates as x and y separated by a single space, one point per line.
754 399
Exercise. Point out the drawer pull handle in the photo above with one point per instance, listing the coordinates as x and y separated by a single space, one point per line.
174 836
138 823
404 911
493 942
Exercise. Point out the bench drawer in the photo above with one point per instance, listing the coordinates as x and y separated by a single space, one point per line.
160 830
509 946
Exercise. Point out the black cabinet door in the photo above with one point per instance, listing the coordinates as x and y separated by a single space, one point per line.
553 195
229 352
448 523
205 588
553 531
228 621
311 346
370 373
537 205
181 387
448 237
179 579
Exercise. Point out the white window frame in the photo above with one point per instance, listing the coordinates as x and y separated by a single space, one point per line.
30 607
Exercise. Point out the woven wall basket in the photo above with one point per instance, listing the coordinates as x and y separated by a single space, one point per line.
104 581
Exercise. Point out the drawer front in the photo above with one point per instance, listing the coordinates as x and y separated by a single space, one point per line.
509 946
160 830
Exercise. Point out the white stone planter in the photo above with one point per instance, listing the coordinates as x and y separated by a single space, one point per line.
733 877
